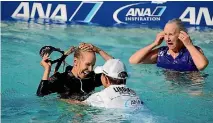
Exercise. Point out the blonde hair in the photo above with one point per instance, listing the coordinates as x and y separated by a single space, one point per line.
77 53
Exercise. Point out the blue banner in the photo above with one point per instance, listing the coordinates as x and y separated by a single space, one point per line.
137 13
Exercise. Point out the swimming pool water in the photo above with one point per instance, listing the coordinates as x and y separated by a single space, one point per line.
168 96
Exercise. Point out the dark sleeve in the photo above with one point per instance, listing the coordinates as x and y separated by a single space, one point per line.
98 82
51 85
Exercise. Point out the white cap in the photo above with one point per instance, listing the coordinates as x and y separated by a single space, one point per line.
112 68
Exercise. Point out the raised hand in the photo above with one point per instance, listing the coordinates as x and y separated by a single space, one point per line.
185 38
88 47
159 38
45 61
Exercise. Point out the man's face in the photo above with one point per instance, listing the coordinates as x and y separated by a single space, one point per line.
171 35
85 64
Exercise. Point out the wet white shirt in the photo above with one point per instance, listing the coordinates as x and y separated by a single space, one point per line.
115 96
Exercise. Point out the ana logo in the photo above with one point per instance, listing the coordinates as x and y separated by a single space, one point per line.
139 14
194 18
59 13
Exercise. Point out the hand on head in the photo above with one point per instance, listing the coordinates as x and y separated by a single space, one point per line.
159 38
88 47
185 38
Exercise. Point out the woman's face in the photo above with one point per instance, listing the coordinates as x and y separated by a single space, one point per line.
84 65
172 32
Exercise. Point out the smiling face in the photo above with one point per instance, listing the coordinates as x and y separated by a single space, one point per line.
172 32
84 64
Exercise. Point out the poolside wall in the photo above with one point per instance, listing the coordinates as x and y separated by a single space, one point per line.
138 13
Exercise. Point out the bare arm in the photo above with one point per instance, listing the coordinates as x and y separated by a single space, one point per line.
103 54
145 55
198 57
148 54
46 74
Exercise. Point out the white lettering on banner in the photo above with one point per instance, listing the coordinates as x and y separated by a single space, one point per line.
139 14
60 13
142 18
41 14
203 12
62 8
39 8
26 13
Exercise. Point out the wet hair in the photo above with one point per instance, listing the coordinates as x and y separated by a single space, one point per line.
77 53
115 81
179 23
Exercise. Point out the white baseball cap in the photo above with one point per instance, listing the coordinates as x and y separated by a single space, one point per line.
112 68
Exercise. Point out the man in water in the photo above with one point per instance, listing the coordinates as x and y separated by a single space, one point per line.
116 94
79 81
180 54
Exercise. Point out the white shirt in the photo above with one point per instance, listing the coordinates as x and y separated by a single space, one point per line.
115 96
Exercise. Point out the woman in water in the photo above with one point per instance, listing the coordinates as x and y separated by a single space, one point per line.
180 54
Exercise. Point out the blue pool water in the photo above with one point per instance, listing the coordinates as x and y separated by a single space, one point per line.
168 96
